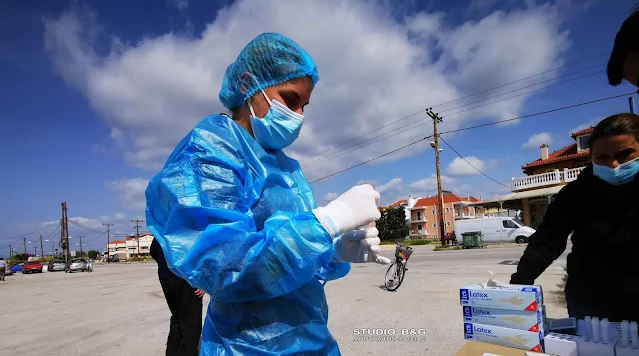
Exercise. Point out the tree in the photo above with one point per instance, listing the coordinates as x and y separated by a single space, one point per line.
392 224
93 254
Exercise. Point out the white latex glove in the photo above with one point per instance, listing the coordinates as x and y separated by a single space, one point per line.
359 246
357 207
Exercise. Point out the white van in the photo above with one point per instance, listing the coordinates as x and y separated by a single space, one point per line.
500 229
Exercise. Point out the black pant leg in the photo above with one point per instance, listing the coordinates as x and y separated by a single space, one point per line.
172 298
190 320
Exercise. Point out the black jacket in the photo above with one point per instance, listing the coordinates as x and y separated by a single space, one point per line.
164 273
603 272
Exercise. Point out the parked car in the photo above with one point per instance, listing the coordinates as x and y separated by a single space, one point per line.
8 271
33 266
17 268
78 264
500 229
57 265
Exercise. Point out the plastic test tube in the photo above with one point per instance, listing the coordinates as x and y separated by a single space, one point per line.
605 330
625 333
595 329
634 336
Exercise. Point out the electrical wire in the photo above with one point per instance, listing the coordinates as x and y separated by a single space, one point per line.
475 127
421 122
29 233
465 97
470 164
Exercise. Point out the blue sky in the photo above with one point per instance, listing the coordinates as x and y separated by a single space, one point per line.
96 95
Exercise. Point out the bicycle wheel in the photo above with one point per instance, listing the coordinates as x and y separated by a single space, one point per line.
394 276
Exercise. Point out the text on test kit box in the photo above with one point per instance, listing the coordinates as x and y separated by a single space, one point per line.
515 319
514 297
519 339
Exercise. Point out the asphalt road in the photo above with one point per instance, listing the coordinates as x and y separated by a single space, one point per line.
119 309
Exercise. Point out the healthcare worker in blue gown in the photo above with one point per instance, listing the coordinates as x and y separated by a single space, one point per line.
237 218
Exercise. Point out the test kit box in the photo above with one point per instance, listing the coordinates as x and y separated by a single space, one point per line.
514 319
513 297
519 339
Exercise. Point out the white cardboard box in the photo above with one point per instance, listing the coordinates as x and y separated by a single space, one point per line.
519 339
514 319
514 297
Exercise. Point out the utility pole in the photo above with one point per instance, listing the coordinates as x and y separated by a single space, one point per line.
108 237
80 237
10 251
52 245
137 233
41 247
24 241
35 251
442 228
65 232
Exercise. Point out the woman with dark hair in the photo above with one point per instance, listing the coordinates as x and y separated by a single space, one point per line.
601 209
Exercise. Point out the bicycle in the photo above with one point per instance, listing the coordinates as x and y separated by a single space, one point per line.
397 270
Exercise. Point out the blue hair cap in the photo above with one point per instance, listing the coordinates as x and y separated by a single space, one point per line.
270 59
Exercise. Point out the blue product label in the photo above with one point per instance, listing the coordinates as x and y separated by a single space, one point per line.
468 328
468 311
463 294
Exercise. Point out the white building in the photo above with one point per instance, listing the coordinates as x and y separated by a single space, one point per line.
130 247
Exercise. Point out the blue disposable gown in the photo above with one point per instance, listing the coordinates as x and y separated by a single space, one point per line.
235 221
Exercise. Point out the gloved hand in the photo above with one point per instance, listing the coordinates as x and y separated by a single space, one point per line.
359 246
357 207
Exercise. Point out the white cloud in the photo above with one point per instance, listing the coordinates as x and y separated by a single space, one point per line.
151 93
330 197
461 167
130 192
392 185
179 4
428 186
535 141
364 181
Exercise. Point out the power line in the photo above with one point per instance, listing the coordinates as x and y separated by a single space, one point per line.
29 233
94 230
420 123
465 97
475 127
470 164
537 114
370 160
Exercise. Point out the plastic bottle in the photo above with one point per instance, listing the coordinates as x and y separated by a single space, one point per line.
588 326
605 330
625 333
595 329
634 335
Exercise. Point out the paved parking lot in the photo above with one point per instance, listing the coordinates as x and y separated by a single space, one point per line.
119 309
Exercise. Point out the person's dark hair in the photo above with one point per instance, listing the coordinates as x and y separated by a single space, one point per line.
627 39
615 125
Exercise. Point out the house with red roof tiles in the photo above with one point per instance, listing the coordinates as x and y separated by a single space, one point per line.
531 194
424 216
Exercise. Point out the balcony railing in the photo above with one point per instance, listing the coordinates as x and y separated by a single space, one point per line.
555 177
417 232
418 220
